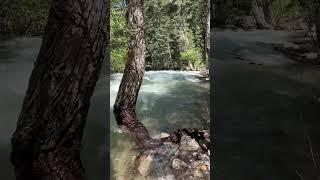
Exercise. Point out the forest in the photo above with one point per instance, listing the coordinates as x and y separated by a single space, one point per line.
285 15
175 35
175 31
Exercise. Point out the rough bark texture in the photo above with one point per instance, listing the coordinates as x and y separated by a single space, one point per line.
124 107
258 13
47 141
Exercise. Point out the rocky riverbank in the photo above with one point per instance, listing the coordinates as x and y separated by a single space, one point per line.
185 154
301 50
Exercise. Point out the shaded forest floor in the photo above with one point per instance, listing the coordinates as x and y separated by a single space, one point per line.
266 112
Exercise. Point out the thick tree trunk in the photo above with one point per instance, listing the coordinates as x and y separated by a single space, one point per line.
47 141
124 107
258 13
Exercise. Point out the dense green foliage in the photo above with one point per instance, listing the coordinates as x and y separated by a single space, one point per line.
23 17
119 38
174 32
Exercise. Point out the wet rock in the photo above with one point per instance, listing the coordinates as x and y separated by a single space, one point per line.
204 157
183 158
197 173
204 168
188 144
163 135
178 164
144 164
168 177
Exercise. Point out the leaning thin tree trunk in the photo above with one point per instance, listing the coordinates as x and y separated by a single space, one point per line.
47 141
124 107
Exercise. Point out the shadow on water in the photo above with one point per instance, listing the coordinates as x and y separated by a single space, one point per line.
5 165
258 131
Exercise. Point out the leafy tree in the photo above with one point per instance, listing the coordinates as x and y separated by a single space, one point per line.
171 27
23 16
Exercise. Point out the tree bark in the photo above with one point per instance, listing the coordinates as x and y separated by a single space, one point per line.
258 13
47 141
125 104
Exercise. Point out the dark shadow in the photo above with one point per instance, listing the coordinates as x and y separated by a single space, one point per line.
7 171
257 126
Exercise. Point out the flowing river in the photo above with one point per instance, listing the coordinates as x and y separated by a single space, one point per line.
266 109
168 100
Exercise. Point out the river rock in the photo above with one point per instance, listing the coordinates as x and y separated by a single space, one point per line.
188 144
197 173
204 157
168 177
164 135
178 164
161 135
144 164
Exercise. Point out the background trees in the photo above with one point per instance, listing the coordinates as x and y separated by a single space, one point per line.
175 34
265 14
23 16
